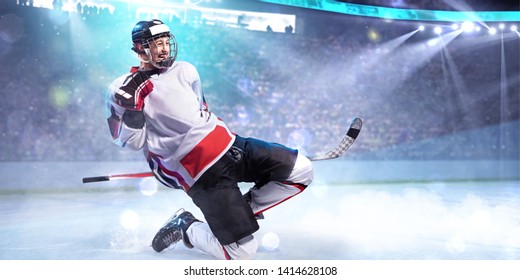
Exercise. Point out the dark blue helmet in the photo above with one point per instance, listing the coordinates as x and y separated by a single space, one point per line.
146 31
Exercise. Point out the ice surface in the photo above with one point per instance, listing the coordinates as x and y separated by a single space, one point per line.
466 220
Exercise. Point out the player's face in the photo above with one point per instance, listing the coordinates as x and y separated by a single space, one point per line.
160 49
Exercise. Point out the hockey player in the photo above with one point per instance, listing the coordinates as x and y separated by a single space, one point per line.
158 107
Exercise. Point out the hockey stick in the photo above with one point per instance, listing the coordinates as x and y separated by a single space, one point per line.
341 148
116 177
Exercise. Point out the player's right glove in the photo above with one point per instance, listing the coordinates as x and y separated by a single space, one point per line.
131 96
133 91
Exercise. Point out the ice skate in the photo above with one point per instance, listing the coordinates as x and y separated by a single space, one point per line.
174 230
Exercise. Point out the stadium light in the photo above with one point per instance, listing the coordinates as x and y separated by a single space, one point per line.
400 14
468 26
437 30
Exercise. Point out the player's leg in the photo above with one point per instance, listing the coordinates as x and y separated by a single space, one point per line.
202 238
263 197
279 173
196 234
230 221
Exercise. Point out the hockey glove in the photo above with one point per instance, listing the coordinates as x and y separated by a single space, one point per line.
133 91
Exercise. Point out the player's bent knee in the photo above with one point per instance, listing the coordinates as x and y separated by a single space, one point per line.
303 172
244 249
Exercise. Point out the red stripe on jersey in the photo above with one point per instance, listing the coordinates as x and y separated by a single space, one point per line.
206 151
175 175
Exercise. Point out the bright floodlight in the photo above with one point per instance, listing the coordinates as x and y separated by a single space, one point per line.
468 26
492 30
502 26
514 28
477 28
421 27
454 26
437 30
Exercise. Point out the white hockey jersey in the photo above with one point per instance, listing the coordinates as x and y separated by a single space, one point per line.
180 139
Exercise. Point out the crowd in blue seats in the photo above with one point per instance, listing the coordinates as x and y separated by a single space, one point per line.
298 90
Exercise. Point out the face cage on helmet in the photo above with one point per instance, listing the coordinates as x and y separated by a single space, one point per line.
165 63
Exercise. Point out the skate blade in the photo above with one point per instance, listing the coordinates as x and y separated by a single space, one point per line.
175 215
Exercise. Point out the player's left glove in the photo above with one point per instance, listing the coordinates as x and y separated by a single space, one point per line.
133 91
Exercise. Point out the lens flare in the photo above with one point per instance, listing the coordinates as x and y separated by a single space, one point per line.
148 186
270 241
373 35
59 97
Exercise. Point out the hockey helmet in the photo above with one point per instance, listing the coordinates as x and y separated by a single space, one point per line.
146 31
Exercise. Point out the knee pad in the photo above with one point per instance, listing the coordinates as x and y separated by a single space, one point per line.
243 249
302 172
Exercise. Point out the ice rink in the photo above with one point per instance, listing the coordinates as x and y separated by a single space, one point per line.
434 174
435 220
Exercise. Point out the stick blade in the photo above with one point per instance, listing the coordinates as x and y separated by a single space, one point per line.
345 144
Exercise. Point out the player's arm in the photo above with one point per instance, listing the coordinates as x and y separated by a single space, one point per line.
191 75
125 104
